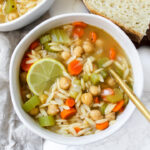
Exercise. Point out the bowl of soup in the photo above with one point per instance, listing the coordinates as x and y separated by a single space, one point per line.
60 83
15 14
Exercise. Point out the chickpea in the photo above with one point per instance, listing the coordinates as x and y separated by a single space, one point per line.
65 55
78 51
78 42
34 111
110 116
53 109
43 98
111 82
12 16
99 43
87 98
64 83
95 90
96 115
88 47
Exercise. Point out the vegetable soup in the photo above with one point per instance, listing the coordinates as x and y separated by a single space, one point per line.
65 83
12 9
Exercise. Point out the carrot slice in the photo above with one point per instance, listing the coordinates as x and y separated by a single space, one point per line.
106 92
70 102
75 67
65 114
96 99
93 37
118 106
102 126
34 45
78 31
79 24
112 54
24 65
77 129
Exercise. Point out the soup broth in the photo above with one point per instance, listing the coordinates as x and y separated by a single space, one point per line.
65 82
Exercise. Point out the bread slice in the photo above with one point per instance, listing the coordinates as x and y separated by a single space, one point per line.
133 16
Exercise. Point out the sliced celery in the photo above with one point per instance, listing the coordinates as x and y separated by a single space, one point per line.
73 93
46 121
118 96
59 35
31 103
85 77
103 107
104 73
45 38
95 78
77 82
126 99
10 6
101 61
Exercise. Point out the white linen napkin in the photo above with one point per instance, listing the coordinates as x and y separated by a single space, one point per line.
13 134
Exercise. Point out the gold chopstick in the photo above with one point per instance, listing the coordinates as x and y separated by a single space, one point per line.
131 95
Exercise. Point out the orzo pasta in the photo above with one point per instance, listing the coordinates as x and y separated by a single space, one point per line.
65 83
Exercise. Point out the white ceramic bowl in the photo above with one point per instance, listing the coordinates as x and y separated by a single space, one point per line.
100 22
28 17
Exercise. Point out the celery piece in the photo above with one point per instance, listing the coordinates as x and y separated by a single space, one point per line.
95 78
73 94
46 121
60 36
119 72
104 73
45 38
31 103
101 61
10 6
118 96
85 77
48 48
77 82
103 107
126 99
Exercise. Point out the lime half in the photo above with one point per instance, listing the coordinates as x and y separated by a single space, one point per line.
43 74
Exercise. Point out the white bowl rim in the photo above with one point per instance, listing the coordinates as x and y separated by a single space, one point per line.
21 18
63 139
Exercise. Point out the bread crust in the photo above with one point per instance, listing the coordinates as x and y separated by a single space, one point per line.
134 36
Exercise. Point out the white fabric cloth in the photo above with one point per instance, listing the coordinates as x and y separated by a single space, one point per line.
13 134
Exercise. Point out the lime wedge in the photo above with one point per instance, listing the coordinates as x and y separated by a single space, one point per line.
43 74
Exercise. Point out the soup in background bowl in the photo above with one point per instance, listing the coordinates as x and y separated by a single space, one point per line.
64 80
12 9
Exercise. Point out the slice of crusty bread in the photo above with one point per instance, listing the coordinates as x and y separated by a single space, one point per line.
133 16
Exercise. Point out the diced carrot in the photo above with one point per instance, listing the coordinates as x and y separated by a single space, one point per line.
102 126
79 24
75 67
77 129
96 99
112 54
65 114
70 102
24 65
93 37
121 110
106 92
78 31
118 106
34 45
